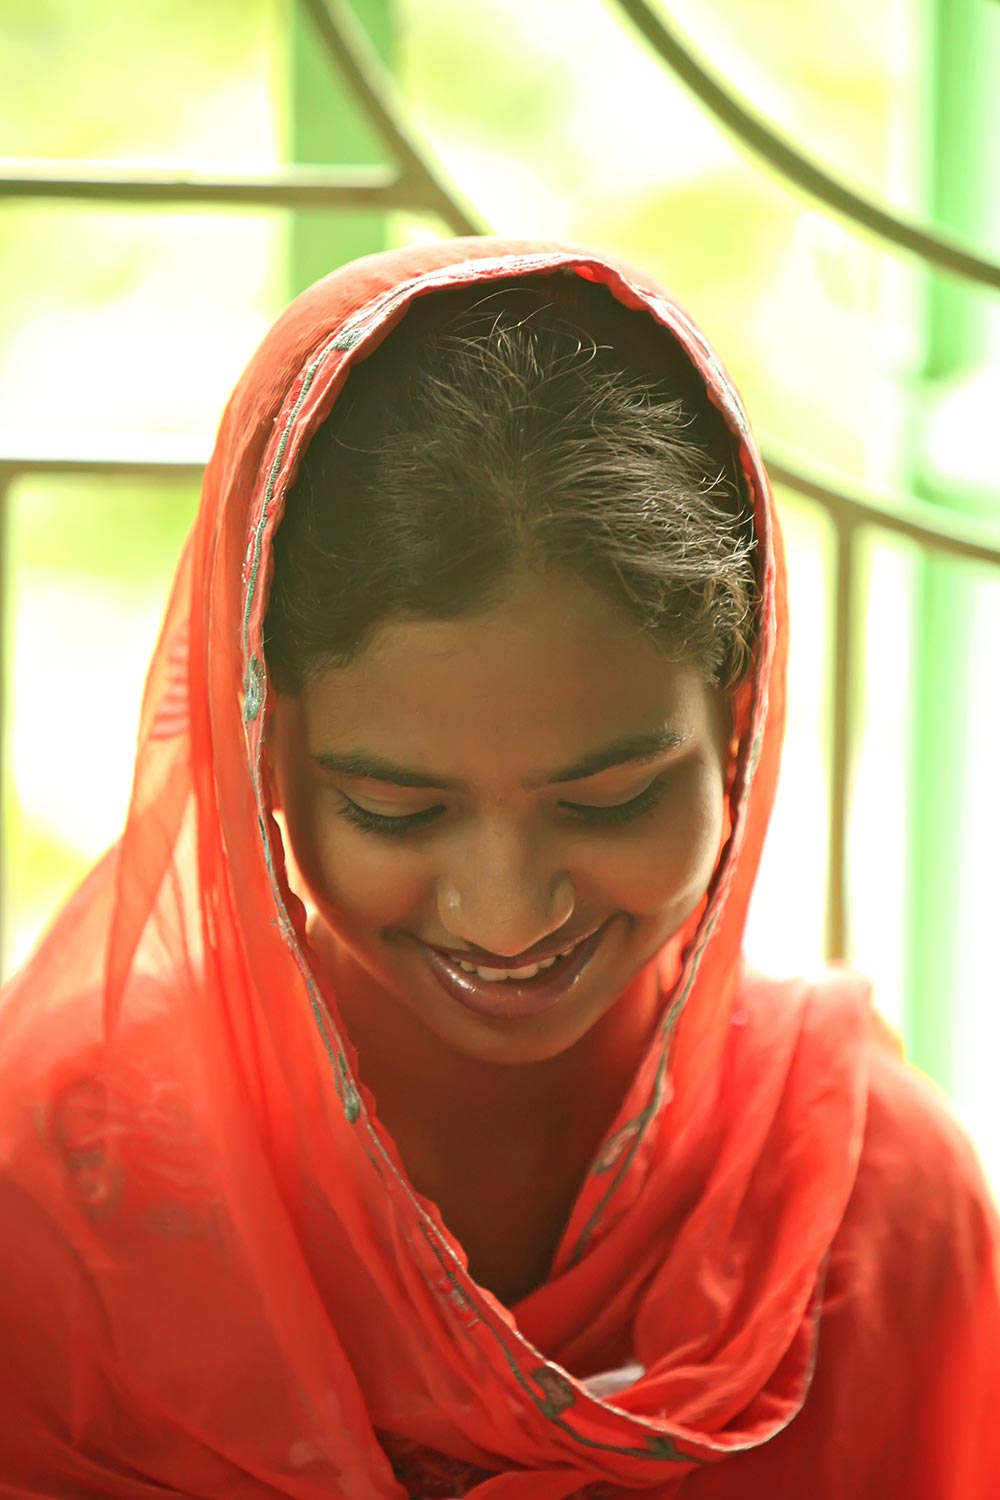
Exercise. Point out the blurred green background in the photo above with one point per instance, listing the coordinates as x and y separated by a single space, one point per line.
121 324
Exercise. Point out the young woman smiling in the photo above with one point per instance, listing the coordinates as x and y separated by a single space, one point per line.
392 1113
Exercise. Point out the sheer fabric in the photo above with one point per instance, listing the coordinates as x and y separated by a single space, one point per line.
215 1277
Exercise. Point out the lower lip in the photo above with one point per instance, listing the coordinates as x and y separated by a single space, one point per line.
512 999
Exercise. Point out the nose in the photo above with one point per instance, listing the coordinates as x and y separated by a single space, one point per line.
502 895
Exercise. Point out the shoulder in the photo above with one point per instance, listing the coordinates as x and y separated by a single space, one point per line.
915 1149
921 1214
919 1190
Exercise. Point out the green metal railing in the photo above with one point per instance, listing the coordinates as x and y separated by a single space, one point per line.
407 178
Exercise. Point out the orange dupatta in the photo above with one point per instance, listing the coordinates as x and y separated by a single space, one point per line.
215 1278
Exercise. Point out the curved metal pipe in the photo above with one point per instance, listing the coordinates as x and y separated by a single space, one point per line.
287 187
939 250
347 44
916 520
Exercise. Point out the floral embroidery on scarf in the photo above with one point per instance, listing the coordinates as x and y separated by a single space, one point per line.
559 1393
348 1092
610 1155
253 689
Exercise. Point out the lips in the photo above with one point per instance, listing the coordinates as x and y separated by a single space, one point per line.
514 999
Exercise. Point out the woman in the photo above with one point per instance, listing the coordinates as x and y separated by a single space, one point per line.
391 1112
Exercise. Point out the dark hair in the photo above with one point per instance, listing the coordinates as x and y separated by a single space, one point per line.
540 424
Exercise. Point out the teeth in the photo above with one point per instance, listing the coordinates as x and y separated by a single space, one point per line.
528 972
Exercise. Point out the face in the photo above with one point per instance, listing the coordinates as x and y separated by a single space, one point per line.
485 792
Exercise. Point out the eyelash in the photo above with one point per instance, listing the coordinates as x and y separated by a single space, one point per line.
601 817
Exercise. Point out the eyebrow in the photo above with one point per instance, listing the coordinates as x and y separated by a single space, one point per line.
628 750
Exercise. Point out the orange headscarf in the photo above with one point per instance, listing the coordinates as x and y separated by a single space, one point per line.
215 1277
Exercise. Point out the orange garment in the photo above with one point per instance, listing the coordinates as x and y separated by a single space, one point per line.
215 1278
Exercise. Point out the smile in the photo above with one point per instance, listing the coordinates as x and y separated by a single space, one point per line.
493 976
513 994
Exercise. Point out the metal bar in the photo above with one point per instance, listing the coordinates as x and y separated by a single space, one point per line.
151 464
4 798
762 138
360 66
291 187
842 689
922 523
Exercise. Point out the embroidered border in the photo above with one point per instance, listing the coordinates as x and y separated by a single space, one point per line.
550 1390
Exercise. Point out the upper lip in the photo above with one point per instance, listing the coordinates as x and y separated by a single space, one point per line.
548 948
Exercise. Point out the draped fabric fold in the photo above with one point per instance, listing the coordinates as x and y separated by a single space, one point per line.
215 1277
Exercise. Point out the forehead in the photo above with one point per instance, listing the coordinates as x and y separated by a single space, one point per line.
542 675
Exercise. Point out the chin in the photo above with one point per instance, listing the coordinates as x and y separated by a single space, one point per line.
511 1044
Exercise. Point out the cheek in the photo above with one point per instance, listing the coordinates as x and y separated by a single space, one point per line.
671 861
351 876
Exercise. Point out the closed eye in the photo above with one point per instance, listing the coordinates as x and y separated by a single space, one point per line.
618 812
589 813
371 822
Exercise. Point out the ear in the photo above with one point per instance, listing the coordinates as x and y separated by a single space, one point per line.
739 702
731 765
